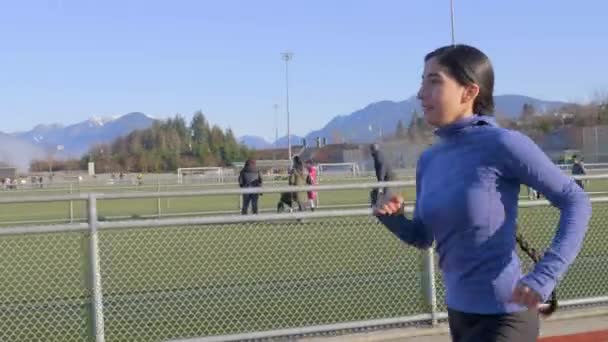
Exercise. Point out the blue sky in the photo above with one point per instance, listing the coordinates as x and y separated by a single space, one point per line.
65 61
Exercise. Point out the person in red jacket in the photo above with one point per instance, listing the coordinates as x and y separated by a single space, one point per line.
312 180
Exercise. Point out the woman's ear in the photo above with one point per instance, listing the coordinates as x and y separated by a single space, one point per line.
471 91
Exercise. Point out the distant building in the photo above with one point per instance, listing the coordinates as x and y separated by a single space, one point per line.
595 144
562 139
400 154
7 171
592 142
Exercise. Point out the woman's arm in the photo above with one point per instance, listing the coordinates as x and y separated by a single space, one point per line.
409 231
527 163
412 231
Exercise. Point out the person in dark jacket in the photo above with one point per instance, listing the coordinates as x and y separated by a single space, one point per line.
384 173
250 177
578 169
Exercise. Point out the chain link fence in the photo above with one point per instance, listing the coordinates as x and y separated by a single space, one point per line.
232 278
588 275
181 278
216 201
43 295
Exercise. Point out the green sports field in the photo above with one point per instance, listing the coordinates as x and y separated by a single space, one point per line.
119 209
14 214
220 279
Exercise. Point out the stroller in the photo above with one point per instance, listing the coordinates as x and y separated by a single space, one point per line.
288 200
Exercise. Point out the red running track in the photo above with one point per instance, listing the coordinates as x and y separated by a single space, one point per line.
593 336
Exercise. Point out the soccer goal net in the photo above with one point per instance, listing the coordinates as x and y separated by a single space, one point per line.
190 175
350 169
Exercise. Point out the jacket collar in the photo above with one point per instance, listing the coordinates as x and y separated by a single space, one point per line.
465 124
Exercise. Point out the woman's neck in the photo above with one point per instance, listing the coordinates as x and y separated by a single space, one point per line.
457 118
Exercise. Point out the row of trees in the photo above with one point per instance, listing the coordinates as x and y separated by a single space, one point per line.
165 146
529 121
417 131
577 115
171 144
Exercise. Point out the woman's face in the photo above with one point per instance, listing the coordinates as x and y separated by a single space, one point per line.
443 99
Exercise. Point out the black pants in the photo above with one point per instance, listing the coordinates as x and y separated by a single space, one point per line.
514 327
580 183
376 193
250 198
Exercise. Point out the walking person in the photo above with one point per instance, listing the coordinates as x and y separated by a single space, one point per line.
384 173
467 187
578 169
297 177
312 180
250 177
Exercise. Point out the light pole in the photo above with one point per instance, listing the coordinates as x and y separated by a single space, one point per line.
287 56
379 136
276 130
452 20
52 152
276 124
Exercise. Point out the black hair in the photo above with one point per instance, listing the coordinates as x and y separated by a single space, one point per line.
374 148
468 65
297 163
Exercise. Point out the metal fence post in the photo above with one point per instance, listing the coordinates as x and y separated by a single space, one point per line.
428 281
95 273
71 205
158 213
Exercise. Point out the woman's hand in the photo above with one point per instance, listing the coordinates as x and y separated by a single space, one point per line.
391 207
526 296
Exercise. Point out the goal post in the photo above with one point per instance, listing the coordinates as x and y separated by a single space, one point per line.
186 175
339 168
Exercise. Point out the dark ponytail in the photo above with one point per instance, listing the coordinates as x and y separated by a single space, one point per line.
468 65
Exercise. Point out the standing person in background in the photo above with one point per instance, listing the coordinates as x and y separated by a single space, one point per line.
311 180
250 177
578 169
384 173
297 177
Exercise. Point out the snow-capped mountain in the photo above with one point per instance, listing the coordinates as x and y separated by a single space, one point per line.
78 138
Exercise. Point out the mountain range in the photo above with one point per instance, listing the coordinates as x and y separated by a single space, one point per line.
75 140
72 141
17 152
380 118
364 125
